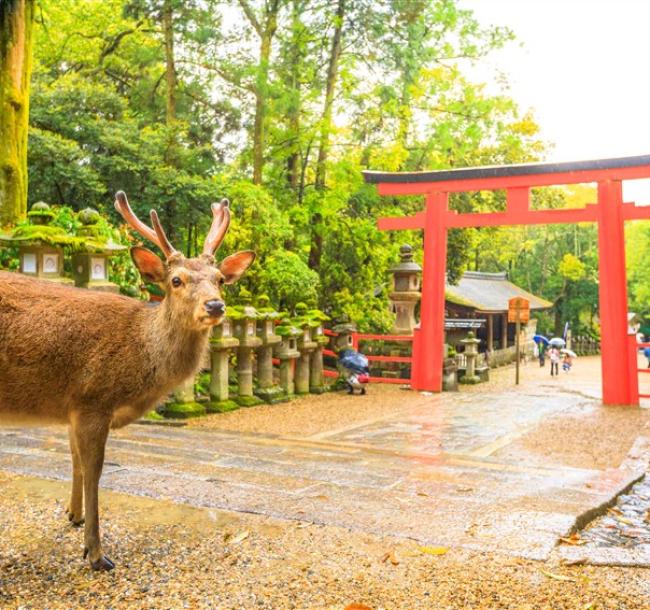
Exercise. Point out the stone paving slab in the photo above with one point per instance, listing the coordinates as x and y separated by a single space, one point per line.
371 478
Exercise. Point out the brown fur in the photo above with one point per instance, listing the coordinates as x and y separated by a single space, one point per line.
96 360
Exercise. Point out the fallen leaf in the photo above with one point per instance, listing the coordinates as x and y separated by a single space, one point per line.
390 556
434 550
239 537
320 497
574 539
626 521
357 607
305 524
615 509
421 493
558 576
464 489
574 562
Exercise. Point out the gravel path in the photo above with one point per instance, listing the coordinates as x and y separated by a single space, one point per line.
172 556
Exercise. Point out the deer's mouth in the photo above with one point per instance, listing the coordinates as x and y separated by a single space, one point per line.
211 320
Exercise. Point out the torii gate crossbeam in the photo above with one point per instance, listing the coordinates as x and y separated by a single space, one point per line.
619 374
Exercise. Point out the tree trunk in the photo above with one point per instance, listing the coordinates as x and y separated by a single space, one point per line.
170 117
265 30
170 67
16 22
316 249
293 85
332 70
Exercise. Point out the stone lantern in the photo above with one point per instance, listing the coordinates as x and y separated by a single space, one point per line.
183 403
222 343
40 245
405 293
343 339
305 346
316 377
287 351
266 390
90 265
245 318
471 344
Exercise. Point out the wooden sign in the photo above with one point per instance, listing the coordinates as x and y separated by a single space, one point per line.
519 304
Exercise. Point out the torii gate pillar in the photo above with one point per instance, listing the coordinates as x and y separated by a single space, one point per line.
619 379
426 368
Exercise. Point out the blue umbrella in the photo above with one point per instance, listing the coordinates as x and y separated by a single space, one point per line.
540 339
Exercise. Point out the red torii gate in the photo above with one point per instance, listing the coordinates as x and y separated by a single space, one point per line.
619 368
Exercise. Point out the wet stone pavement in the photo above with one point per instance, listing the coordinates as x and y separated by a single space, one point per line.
627 523
427 472
621 536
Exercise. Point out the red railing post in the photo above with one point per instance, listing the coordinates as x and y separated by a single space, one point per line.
633 365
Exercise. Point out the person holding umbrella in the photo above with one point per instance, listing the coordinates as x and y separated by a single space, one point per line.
554 354
540 343
567 359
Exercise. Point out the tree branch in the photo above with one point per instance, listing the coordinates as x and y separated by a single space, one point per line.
250 14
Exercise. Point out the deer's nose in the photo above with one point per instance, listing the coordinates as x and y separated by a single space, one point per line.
215 308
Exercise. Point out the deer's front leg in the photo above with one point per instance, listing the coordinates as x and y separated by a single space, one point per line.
75 508
90 432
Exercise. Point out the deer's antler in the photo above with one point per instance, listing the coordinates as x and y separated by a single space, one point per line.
155 235
220 223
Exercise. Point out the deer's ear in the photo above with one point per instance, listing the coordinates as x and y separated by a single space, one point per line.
151 268
233 266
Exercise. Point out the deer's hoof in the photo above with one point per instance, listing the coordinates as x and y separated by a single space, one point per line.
103 564
75 521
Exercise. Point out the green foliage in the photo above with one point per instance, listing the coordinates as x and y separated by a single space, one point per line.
287 279
399 99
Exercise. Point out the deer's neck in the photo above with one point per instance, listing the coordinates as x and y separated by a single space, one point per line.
176 349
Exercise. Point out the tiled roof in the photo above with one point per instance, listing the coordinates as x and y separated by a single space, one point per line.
489 292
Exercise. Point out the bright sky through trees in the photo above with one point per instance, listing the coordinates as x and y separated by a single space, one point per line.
580 66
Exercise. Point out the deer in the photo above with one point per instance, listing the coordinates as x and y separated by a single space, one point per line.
98 361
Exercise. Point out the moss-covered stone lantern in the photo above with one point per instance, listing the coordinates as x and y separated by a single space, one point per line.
305 346
222 343
316 377
343 339
245 318
40 245
405 294
266 389
90 263
471 344
287 351
183 403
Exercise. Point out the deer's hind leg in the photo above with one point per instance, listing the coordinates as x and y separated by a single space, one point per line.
90 432
75 508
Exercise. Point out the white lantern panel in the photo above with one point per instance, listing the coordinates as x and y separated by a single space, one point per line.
97 268
50 263
29 262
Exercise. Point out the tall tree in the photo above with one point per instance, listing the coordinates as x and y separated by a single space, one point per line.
16 21
265 25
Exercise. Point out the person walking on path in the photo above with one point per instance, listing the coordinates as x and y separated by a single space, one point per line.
554 355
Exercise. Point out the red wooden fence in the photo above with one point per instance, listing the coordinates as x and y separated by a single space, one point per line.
356 337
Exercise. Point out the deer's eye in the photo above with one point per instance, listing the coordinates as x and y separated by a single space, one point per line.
176 282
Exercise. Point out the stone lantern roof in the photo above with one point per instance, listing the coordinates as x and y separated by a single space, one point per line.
90 234
39 231
406 264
